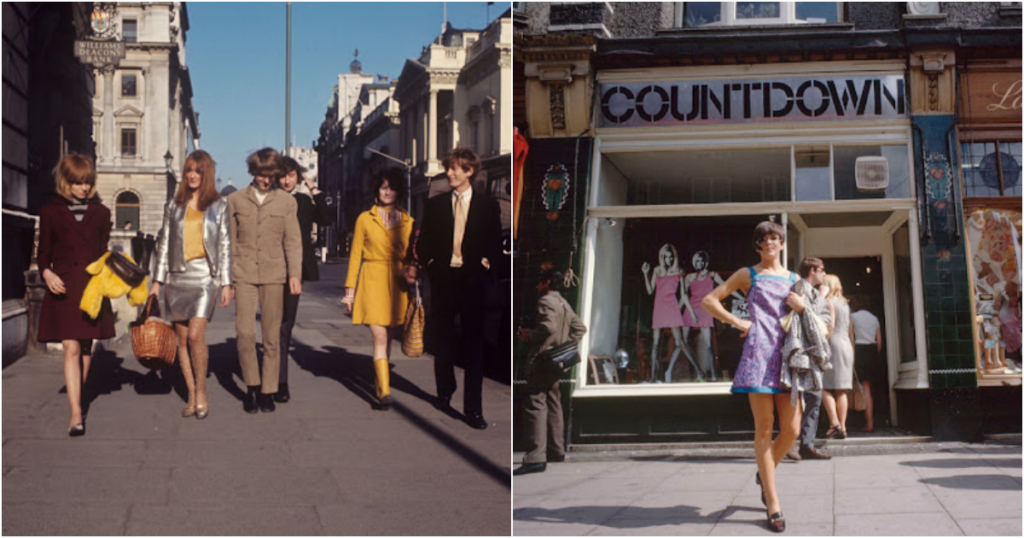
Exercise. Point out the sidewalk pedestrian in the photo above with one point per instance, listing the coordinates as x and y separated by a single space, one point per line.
375 291
767 286
868 362
812 271
312 208
193 262
74 230
556 325
266 253
460 235
840 378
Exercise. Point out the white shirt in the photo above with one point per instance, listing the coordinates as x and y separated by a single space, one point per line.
260 196
865 326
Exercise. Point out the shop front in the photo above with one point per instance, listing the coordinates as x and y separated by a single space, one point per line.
989 136
685 163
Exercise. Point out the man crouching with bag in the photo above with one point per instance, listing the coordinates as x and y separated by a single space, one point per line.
556 325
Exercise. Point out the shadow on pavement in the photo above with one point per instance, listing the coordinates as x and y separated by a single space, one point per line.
224 366
982 482
356 373
638 517
107 375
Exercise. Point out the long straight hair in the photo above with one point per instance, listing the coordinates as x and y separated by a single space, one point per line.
207 169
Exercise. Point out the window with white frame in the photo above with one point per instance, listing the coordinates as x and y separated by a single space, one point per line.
701 14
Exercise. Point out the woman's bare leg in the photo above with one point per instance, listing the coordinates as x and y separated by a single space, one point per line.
199 354
869 412
86 353
829 402
186 369
843 407
768 453
73 379
789 425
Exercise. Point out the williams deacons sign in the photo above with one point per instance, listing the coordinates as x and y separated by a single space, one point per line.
650 104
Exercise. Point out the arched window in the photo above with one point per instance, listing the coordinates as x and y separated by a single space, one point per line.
127 210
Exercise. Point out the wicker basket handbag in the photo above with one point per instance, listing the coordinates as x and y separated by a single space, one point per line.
412 333
153 340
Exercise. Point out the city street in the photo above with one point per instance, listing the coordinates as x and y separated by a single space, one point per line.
325 463
921 489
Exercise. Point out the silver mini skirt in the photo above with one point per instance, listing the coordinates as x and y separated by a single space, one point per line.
190 294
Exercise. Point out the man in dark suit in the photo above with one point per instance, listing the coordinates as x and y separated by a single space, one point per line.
460 237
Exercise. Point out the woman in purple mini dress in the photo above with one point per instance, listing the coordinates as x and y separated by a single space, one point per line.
767 286
664 284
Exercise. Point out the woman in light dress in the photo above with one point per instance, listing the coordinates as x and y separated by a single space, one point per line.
839 379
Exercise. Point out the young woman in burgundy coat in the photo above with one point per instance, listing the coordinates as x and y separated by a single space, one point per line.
74 229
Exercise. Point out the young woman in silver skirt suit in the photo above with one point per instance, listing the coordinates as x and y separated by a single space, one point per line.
193 257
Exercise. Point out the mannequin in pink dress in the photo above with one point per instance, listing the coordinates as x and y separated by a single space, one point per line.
664 284
695 287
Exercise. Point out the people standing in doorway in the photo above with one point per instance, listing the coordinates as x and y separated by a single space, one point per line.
767 287
266 248
556 325
74 230
665 284
375 290
193 263
312 208
868 362
812 270
459 239
839 379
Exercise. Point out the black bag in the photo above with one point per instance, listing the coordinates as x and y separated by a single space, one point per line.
563 357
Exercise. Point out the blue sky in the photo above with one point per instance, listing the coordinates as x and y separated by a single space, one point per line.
236 55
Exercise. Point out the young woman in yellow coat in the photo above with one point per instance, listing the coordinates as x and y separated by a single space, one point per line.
375 290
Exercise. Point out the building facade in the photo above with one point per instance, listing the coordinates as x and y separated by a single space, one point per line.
144 124
677 127
47 96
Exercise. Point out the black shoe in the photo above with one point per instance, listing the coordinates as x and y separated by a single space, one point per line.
77 430
528 468
777 522
282 395
249 403
556 458
385 403
266 403
444 403
476 421
811 453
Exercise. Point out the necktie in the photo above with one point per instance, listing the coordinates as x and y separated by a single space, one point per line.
460 230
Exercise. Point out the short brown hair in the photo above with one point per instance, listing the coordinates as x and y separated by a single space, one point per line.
464 158
207 169
289 164
766 228
74 168
808 264
265 162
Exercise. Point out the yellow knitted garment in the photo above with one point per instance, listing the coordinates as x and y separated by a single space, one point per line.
194 235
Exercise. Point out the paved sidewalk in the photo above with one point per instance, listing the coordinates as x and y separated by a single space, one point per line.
934 489
324 464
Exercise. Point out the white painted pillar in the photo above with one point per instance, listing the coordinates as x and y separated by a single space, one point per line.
432 127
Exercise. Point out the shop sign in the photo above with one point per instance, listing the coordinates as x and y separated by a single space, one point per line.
100 53
992 95
786 99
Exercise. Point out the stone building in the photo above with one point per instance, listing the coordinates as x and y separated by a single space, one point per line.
47 106
885 138
144 123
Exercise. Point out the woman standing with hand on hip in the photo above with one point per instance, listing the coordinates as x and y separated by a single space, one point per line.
767 286
74 230
193 261
375 290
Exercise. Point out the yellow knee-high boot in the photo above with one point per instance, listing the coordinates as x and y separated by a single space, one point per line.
383 382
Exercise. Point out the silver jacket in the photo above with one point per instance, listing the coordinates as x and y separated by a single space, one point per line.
170 243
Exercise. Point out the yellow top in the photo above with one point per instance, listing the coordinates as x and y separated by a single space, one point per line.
194 235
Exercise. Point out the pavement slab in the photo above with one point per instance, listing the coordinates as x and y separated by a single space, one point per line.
325 463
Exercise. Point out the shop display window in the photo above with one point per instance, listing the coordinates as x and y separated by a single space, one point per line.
845 172
988 172
995 253
647 325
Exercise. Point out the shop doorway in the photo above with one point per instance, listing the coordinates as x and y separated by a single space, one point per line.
870 252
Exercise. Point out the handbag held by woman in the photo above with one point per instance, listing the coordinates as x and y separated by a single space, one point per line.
153 340
412 331
860 403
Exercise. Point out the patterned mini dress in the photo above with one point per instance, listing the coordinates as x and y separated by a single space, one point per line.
761 362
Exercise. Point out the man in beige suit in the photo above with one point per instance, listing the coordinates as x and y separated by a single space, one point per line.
266 252
556 325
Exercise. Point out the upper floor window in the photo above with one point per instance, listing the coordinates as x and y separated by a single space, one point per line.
989 171
696 14
130 30
128 142
128 85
